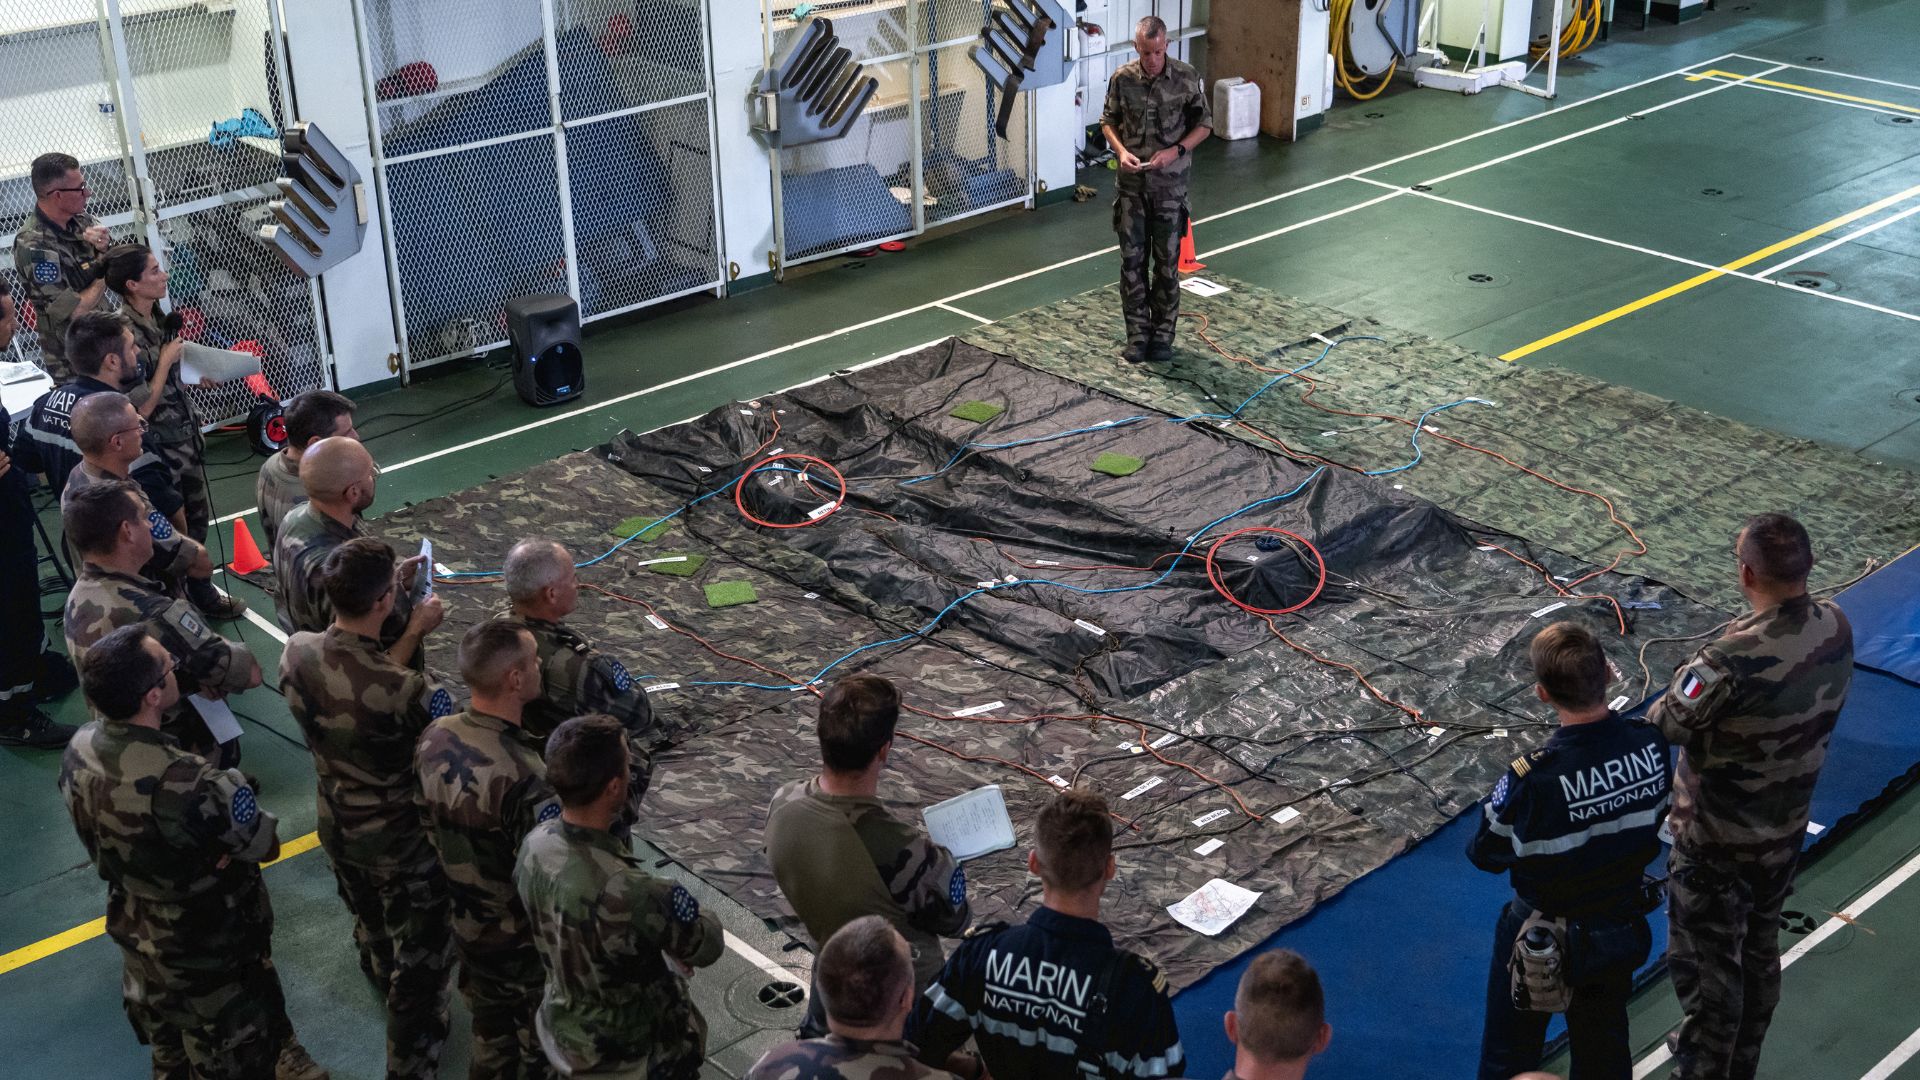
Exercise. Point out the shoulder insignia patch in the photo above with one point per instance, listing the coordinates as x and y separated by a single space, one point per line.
983 929
45 272
159 526
245 807
1501 791
550 811
190 622
1522 765
622 681
685 907
440 704
1695 680
957 887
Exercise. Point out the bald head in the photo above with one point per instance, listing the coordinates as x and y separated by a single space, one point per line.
338 473
539 578
100 417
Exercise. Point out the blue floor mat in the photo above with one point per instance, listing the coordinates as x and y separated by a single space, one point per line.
1403 952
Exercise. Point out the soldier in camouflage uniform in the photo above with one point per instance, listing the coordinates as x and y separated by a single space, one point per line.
838 854
1751 713
106 430
310 417
339 476
865 976
179 843
57 253
576 678
106 523
137 278
1156 113
617 942
362 712
485 788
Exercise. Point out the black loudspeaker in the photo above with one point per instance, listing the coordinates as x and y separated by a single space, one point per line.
547 365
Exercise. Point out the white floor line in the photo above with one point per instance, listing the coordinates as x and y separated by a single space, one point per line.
1825 71
964 312
1847 239
1900 1055
1804 96
263 623
1718 86
1758 279
1880 891
932 304
759 959
1283 230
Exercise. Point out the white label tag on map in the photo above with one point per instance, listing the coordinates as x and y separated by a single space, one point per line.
1202 287
1213 907
1057 781
1209 818
1619 703
1132 747
1165 740
1143 788
810 596
657 562
976 710
656 622
657 687
821 511
1549 609
1210 846
1045 562
1285 816
1090 628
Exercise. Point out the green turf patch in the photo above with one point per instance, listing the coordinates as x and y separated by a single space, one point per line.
636 523
978 411
688 568
729 593
1117 464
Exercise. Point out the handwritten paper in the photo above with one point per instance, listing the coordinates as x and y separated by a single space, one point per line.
972 824
1213 907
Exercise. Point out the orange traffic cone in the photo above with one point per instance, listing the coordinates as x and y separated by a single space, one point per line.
1188 264
246 553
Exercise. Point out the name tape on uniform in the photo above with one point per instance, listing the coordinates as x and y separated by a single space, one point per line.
976 710
1210 846
1143 788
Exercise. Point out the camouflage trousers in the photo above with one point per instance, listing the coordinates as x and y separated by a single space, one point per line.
206 1023
1150 224
401 925
184 462
503 993
1724 956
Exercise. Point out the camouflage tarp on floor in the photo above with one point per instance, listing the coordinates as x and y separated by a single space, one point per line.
1340 781
1684 479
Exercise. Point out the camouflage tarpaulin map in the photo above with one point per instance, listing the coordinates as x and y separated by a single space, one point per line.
1049 623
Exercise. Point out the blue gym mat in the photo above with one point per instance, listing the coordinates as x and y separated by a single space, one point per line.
1403 952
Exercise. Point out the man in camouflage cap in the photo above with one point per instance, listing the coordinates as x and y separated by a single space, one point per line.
485 788
1156 114
576 678
618 943
179 843
107 524
362 710
1751 713
865 976
58 252
340 477
838 854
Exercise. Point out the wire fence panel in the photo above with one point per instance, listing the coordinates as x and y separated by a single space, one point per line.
649 50
968 167
643 220
57 93
473 229
455 72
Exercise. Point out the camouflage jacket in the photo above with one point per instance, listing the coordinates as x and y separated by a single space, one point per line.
1751 713
484 787
601 924
46 446
362 714
48 260
173 552
577 678
1150 115
835 1058
276 493
103 601
157 822
173 421
306 538
839 857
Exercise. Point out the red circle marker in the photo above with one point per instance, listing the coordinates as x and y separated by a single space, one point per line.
1220 585
740 487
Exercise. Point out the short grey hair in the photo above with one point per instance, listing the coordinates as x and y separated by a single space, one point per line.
1151 27
534 565
862 970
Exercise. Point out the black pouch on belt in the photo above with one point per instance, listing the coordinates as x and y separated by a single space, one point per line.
1539 965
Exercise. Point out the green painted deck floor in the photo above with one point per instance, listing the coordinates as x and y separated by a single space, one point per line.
1726 213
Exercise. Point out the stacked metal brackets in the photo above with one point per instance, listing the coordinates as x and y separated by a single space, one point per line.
1013 50
814 91
320 218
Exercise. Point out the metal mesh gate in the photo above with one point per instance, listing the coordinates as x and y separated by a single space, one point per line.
528 146
924 150
139 91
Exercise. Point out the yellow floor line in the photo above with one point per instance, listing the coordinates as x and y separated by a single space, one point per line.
67 939
1834 94
1705 276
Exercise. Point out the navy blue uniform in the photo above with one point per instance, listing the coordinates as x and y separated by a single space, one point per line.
46 446
20 624
1575 823
1052 998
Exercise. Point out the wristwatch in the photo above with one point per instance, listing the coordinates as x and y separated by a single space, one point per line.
1182 147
